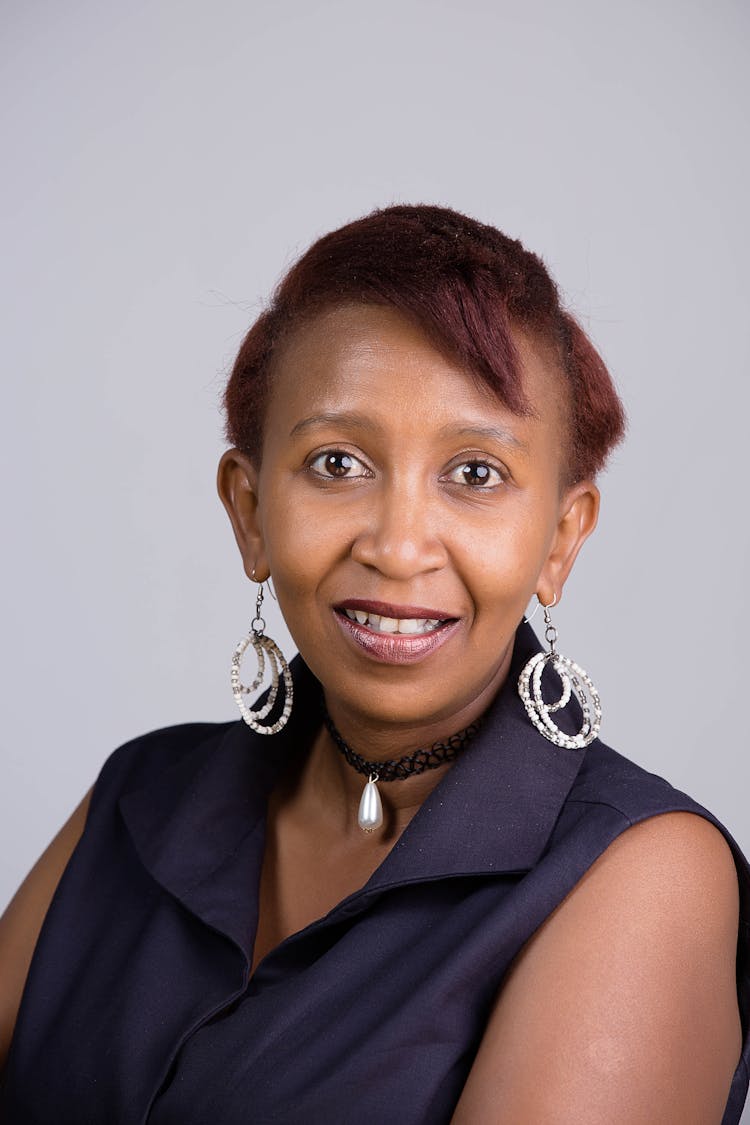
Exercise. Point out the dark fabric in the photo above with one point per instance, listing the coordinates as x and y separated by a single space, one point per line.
139 1006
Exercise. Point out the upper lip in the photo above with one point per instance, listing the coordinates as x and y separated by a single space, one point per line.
387 609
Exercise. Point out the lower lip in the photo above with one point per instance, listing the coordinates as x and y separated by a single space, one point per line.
396 648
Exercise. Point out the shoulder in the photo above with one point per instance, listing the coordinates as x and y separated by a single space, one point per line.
612 794
634 971
677 868
623 818
659 853
160 748
180 749
665 887
608 777
175 752
662 898
22 920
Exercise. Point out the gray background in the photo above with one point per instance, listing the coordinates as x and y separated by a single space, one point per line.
164 162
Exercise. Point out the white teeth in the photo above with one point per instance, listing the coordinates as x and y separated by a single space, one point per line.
380 624
410 625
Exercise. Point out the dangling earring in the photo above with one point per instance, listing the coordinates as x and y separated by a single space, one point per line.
573 679
263 645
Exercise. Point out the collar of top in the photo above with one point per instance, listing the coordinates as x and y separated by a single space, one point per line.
198 828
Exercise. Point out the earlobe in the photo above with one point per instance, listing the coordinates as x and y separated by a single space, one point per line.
237 485
579 513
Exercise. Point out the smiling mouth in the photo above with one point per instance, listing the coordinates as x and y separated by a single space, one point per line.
378 624
395 634
410 622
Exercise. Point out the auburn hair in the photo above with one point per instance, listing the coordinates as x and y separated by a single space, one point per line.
467 285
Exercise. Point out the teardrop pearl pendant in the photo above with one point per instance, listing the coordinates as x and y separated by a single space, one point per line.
370 815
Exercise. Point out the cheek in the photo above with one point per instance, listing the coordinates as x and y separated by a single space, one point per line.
300 546
501 564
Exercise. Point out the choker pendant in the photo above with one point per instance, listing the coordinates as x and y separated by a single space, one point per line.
370 812
370 815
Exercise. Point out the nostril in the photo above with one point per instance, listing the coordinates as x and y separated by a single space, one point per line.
399 554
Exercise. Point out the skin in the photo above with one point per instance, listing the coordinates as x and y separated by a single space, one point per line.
402 527
644 1027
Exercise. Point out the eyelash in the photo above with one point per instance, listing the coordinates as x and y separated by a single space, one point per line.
326 453
478 462
474 462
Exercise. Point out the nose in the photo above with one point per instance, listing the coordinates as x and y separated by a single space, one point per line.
400 533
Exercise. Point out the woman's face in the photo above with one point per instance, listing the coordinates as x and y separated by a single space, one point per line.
391 481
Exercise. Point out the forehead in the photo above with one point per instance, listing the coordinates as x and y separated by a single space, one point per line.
375 359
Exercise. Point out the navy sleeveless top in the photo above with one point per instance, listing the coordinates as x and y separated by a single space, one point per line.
139 1005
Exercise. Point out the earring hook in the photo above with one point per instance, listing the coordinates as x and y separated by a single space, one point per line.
271 590
540 603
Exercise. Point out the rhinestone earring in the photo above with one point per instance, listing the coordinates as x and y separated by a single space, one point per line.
279 668
574 681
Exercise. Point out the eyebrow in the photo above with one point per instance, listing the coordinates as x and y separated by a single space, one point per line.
349 418
494 433
354 420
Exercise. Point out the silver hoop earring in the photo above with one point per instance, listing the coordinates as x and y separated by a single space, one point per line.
574 680
279 669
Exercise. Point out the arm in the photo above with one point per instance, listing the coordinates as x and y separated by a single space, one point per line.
622 1007
22 921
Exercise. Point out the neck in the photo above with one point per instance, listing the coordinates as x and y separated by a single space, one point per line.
333 788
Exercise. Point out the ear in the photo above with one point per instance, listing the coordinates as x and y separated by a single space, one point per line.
237 485
578 515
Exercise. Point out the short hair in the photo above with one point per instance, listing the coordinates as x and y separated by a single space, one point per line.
467 285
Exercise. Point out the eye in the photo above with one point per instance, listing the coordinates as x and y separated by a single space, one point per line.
477 474
337 463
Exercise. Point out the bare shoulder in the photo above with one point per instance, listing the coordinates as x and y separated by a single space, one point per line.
625 998
22 920
681 857
684 839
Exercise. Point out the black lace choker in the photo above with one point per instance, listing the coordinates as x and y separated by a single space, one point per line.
396 769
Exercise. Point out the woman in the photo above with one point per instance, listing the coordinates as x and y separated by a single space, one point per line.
413 885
